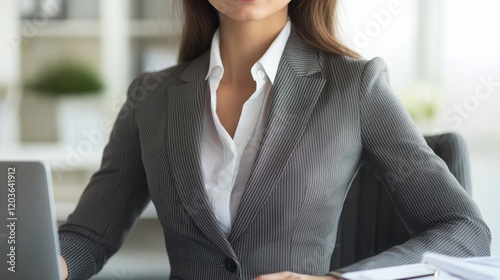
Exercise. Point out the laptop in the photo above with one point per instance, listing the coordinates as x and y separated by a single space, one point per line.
29 243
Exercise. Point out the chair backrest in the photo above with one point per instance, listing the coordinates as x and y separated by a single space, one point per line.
369 222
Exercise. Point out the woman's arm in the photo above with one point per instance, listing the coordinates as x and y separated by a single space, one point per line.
114 198
439 214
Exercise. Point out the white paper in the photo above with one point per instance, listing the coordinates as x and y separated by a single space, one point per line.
466 268
395 272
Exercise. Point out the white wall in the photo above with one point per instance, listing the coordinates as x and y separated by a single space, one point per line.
384 28
471 56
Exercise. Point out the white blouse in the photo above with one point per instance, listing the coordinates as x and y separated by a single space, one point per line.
226 162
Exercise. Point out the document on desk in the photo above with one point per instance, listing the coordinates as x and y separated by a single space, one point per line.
479 268
418 271
435 266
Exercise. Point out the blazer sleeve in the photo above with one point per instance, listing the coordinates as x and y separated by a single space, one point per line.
112 201
440 216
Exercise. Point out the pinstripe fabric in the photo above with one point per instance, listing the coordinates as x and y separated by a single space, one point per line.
369 223
452 148
328 114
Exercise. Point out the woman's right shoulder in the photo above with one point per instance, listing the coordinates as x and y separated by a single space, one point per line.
166 77
172 76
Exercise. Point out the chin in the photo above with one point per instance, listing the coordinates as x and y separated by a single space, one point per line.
253 10
246 15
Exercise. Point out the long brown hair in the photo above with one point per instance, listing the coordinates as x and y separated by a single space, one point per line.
315 22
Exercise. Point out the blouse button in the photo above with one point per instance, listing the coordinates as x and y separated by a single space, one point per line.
261 74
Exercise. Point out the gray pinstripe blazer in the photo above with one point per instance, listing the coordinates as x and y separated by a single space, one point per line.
328 114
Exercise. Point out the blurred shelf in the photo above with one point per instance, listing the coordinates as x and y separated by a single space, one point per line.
154 29
59 157
92 28
64 208
62 29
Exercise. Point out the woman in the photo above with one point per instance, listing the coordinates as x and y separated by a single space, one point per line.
247 149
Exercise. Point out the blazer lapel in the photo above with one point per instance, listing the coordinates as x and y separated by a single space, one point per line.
185 127
298 85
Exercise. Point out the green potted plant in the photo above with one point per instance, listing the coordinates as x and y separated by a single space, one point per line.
65 93
67 78
422 101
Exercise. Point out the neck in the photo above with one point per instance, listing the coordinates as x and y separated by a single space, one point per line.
243 43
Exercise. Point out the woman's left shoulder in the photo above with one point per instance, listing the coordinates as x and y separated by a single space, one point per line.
354 67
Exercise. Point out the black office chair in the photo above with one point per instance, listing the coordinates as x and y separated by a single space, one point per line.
369 223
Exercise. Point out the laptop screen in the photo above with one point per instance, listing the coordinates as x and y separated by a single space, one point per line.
29 244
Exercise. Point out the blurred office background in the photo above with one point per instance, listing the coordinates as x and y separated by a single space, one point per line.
443 58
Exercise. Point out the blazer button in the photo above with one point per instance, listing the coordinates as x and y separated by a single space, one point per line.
230 265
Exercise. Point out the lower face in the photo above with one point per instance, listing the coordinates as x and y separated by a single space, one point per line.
249 10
